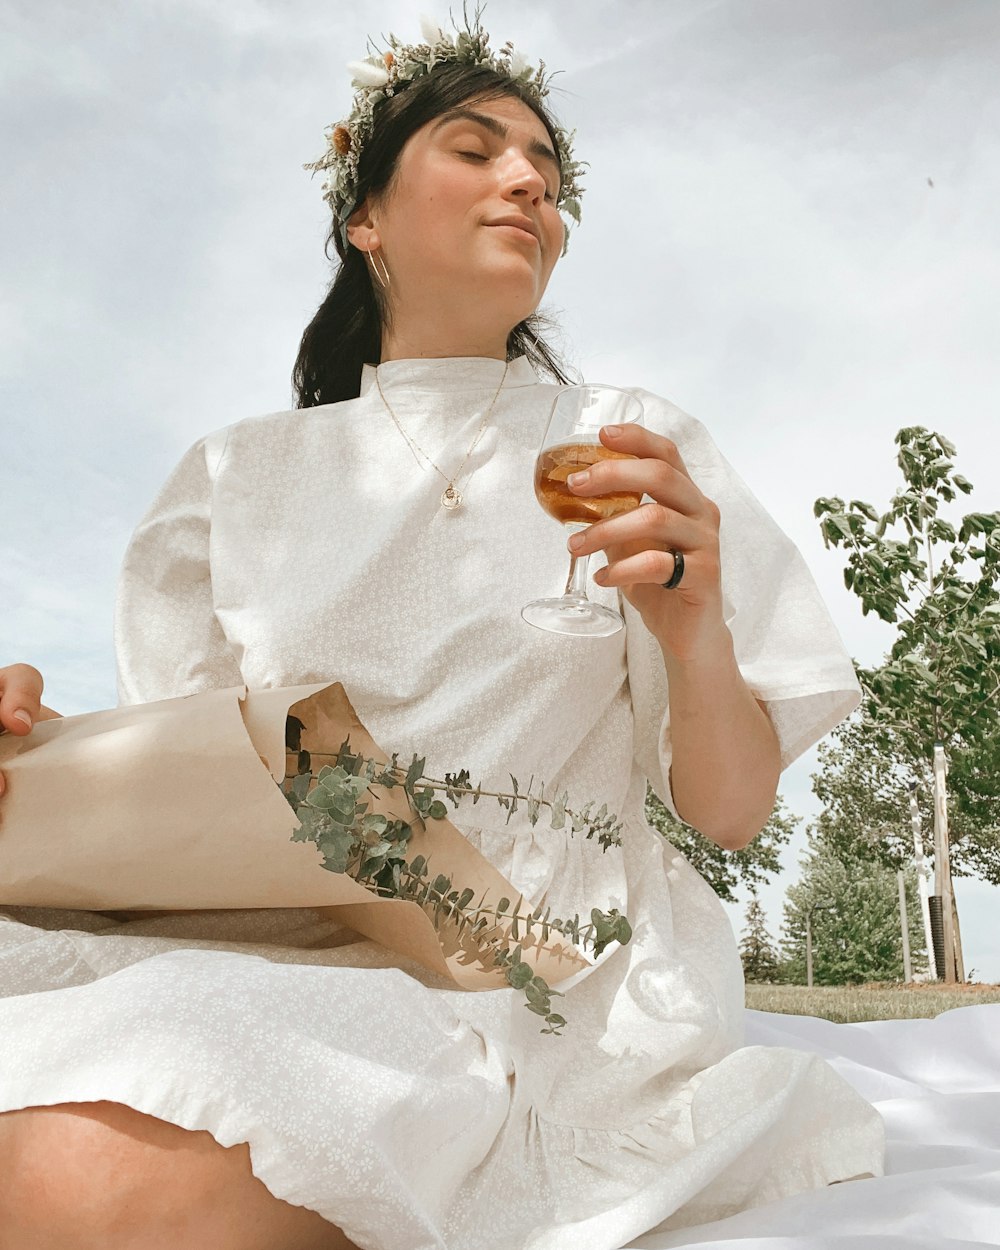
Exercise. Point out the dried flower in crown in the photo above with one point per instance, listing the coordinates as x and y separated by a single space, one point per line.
380 75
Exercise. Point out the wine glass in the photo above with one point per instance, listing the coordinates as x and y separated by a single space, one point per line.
571 442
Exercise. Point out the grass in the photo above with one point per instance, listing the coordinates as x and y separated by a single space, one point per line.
847 1004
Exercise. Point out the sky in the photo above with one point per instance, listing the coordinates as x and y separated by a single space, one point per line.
789 230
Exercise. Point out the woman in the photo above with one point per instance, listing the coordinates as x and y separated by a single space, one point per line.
381 1108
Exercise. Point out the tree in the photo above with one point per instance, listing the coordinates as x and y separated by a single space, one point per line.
860 938
760 959
938 583
863 781
754 865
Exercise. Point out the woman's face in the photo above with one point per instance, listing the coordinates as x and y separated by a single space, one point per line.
458 178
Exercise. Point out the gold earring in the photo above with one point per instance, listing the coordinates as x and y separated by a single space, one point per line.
383 283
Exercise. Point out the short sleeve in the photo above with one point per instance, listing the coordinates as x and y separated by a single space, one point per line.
168 640
786 644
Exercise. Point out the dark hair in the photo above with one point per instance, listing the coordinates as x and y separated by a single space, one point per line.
346 332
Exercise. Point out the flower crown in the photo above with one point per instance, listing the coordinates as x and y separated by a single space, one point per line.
382 74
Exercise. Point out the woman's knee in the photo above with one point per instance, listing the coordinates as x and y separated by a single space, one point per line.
103 1176
93 1173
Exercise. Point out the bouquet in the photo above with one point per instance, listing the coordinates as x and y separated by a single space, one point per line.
212 801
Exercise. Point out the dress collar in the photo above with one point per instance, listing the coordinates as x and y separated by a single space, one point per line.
449 373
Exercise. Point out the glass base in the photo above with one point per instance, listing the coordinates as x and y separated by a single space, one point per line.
570 615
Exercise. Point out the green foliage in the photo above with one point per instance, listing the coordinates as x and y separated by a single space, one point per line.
863 783
937 580
760 959
860 939
724 870
373 850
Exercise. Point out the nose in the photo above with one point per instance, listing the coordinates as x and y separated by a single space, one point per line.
521 179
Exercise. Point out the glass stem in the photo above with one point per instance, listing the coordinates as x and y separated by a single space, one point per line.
576 583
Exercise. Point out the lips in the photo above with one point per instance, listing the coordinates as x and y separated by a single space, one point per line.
521 222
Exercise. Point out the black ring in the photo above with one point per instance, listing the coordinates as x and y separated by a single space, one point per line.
678 573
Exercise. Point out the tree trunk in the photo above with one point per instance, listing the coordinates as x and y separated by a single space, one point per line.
905 927
959 961
942 864
923 878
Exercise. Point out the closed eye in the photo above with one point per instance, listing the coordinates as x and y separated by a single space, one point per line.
478 156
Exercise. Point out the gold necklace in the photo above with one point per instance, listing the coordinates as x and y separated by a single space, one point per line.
450 497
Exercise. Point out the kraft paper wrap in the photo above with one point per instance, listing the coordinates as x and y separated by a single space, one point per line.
173 806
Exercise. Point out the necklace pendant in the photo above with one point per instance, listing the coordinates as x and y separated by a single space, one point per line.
450 498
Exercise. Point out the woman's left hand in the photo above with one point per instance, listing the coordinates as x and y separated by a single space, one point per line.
689 618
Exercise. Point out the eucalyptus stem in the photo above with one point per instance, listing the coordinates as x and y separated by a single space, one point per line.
607 829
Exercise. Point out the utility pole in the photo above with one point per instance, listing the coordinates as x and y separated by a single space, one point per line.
923 877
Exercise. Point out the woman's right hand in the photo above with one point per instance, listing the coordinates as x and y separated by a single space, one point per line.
21 691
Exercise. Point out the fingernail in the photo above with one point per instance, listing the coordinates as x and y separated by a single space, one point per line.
576 542
613 431
578 479
22 715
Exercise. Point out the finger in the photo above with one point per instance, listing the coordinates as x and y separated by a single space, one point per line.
20 698
654 567
651 525
637 440
44 713
649 475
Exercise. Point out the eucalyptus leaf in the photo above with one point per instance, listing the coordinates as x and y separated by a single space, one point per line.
519 976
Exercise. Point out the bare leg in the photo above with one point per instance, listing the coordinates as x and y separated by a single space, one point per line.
102 1176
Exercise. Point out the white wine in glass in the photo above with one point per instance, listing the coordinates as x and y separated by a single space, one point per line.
571 442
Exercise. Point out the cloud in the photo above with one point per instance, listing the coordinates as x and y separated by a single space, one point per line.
759 244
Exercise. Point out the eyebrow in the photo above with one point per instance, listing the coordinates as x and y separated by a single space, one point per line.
535 147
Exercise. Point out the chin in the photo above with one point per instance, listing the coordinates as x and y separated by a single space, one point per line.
511 287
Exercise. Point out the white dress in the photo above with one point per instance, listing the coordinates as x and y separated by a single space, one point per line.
309 545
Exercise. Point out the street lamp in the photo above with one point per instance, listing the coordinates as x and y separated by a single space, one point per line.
809 943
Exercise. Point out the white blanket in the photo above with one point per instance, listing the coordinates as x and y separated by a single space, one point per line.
936 1083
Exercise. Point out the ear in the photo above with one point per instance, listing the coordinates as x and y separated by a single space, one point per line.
362 230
